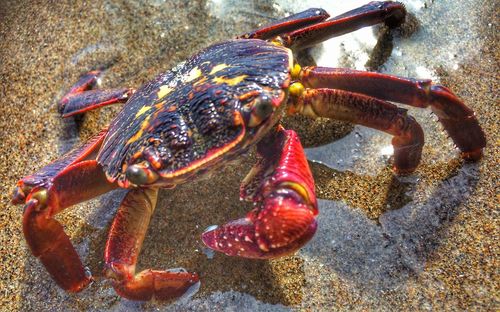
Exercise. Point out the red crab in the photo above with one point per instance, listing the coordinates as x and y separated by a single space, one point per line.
210 109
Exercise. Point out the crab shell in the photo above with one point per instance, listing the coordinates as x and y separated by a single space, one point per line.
198 115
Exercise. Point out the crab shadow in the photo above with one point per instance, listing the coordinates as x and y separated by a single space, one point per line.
385 253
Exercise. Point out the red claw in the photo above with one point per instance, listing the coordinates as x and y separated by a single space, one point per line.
281 183
279 228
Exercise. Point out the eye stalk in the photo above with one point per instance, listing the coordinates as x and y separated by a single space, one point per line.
261 109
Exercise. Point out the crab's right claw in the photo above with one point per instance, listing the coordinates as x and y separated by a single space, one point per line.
282 186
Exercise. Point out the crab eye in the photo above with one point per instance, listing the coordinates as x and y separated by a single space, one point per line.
140 175
262 108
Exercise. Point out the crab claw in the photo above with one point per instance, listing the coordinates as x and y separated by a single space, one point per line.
281 184
277 228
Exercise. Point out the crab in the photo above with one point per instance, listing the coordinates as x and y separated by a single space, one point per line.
211 109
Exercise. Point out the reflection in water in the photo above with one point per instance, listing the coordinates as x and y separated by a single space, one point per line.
357 152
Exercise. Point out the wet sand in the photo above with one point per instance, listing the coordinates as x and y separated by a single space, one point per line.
427 241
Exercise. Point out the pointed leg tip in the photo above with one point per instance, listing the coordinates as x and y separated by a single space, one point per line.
472 155
398 14
403 171
213 238
81 285
208 238
175 285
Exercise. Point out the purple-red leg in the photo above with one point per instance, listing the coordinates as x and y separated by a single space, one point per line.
59 185
124 245
43 178
282 187
360 109
290 23
80 98
458 120
388 12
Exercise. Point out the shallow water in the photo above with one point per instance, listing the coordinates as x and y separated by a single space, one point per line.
384 242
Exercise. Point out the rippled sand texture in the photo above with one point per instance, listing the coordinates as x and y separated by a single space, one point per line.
426 241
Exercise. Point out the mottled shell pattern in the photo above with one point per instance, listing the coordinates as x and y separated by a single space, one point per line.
189 119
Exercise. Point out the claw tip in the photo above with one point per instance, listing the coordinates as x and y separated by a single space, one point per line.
210 228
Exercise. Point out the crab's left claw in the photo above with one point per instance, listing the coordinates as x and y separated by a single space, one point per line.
282 186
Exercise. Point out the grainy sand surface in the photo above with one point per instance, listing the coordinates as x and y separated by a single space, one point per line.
427 242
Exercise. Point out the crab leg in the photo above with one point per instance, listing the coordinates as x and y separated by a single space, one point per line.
124 245
80 98
43 178
357 108
59 185
282 187
388 12
290 23
458 120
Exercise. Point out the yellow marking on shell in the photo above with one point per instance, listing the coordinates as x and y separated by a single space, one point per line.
159 105
139 133
193 74
200 81
164 90
142 111
230 81
218 68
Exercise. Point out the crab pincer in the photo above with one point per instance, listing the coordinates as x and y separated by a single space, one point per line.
282 188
